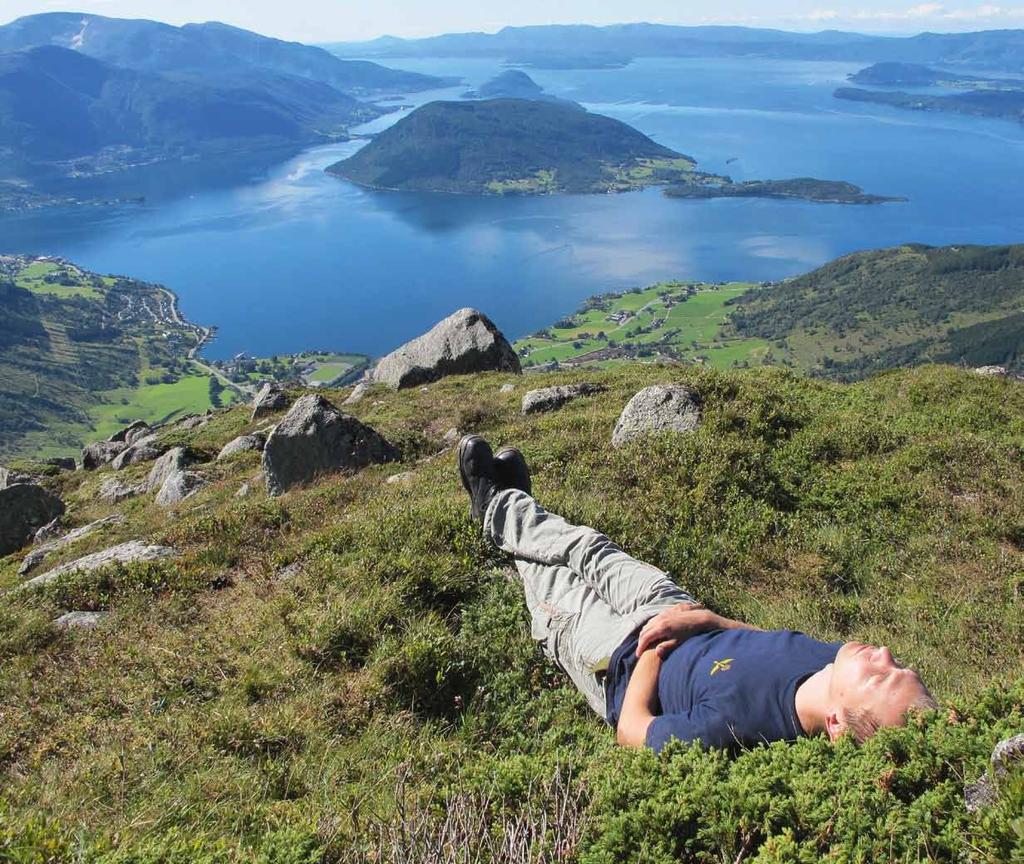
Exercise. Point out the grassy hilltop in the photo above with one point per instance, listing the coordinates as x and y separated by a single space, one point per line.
345 674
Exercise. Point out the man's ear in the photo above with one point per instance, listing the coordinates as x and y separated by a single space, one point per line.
834 725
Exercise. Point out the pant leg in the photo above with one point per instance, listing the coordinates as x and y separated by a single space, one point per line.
578 630
517 524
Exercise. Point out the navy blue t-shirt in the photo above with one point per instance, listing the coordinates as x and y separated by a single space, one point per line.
726 688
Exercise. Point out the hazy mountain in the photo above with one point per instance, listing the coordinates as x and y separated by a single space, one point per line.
208 50
997 49
503 145
513 84
58 104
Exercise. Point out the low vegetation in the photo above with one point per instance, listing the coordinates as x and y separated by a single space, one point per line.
345 674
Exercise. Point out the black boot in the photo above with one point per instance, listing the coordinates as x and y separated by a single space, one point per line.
510 466
477 470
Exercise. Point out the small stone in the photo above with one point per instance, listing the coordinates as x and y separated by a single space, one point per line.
658 408
269 400
64 463
125 553
451 437
289 572
178 486
192 423
985 791
101 453
991 371
550 398
405 477
33 560
242 444
144 450
50 531
507 388
243 491
133 432
80 620
357 393
114 491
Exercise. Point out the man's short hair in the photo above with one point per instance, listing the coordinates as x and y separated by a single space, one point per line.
862 724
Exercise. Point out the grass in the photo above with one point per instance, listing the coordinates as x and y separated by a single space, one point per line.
382 700
152 403
32 278
684 320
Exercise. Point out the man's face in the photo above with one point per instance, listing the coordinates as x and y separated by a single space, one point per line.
867 678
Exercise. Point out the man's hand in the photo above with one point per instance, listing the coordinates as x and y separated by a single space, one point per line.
667 629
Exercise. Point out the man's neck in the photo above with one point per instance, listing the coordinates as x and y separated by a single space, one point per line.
812 700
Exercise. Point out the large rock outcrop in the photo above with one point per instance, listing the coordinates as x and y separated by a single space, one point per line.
464 342
125 553
174 460
41 553
24 509
551 398
179 486
315 438
658 408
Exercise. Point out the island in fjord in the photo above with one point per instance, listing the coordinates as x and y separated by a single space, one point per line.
528 146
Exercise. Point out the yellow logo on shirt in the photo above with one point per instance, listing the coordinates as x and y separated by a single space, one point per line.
722 665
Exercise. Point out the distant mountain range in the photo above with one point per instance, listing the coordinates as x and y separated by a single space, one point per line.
210 51
83 96
993 49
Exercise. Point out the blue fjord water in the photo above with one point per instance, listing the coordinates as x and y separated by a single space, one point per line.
289 258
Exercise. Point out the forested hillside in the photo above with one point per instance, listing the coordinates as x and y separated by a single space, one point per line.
502 146
344 673
902 306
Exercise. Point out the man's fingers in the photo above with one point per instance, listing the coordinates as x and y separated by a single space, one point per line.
648 636
665 648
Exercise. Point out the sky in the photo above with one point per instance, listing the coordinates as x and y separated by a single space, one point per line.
351 20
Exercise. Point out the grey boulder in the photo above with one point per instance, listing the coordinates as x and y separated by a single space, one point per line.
316 438
550 398
136 430
462 343
125 553
269 400
985 791
114 491
174 460
243 444
102 452
358 392
179 486
658 408
24 509
80 620
38 555
144 450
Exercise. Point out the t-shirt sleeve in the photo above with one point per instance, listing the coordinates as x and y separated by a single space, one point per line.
701 723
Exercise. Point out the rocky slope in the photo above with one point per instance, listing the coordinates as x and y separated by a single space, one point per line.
343 672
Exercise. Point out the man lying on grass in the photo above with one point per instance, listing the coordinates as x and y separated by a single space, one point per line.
650 659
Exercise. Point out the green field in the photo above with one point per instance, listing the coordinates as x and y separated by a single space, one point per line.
329 367
677 319
33 278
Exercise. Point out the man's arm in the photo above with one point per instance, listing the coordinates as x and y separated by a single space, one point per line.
667 629
640 704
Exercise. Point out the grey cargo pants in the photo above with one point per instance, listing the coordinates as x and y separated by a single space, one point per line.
585 595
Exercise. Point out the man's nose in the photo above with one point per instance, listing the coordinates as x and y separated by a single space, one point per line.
885 655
